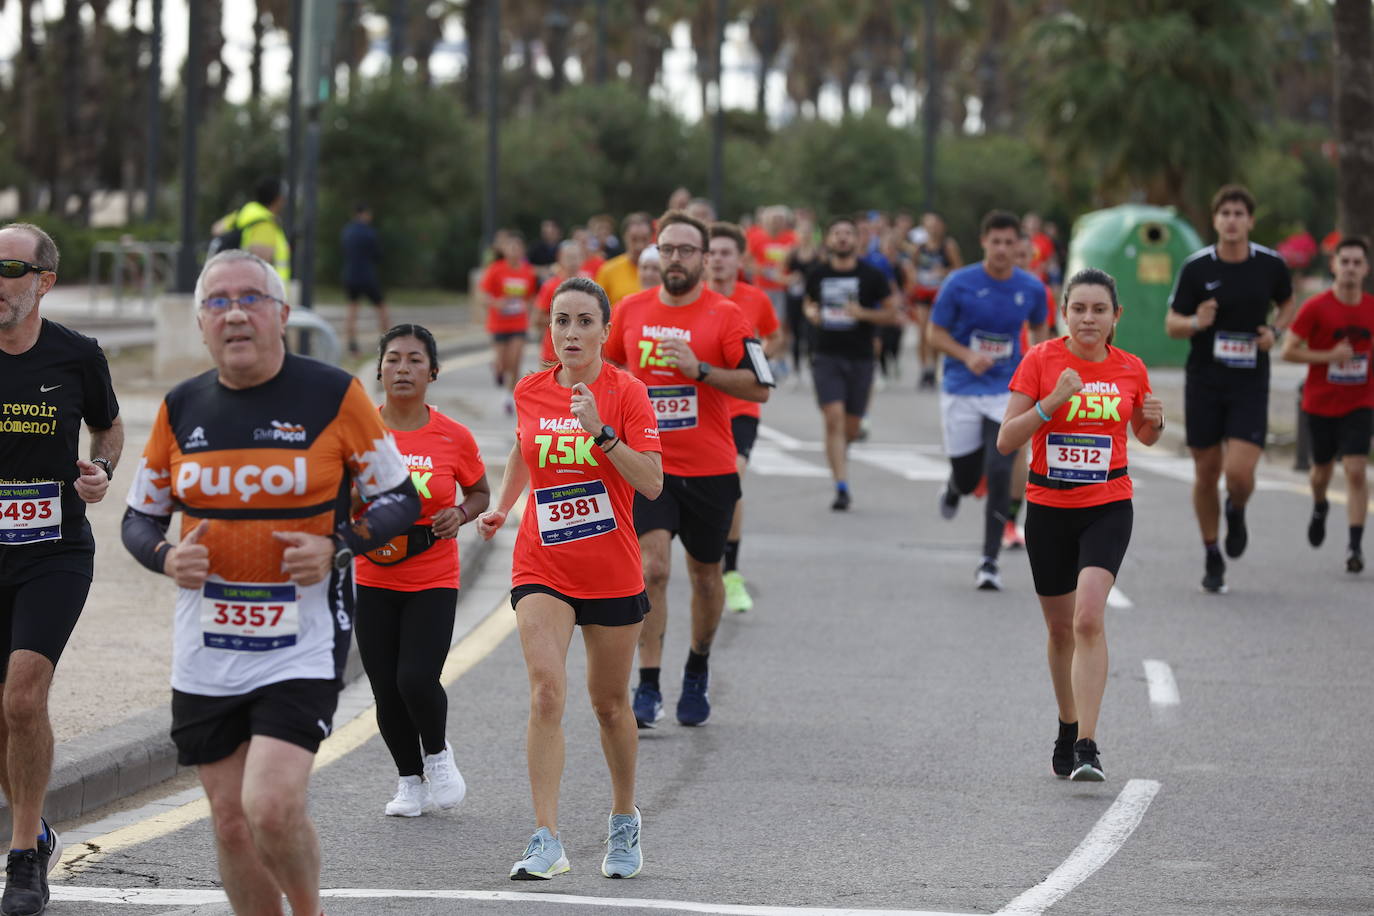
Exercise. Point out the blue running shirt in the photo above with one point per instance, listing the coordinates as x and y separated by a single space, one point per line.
987 314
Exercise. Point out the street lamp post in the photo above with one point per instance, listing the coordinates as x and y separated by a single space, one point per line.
187 267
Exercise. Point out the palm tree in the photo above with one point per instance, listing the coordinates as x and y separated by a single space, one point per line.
1354 115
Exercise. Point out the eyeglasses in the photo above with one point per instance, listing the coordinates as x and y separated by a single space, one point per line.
678 252
248 302
13 269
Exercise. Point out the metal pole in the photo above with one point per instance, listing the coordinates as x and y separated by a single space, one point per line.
293 135
396 39
187 267
492 198
152 148
601 67
931 108
718 130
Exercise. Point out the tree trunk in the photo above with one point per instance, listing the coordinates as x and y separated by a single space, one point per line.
71 83
255 61
1354 91
763 31
475 29
26 79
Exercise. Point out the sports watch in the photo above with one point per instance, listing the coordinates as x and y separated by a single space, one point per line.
106 466
703 370
343 554
606 435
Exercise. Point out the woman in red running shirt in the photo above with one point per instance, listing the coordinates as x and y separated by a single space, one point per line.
586 441
407 589
1072 398
509 288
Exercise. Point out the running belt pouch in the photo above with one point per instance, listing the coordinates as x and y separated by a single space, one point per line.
412 542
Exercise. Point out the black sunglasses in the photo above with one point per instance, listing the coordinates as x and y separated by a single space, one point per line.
13 269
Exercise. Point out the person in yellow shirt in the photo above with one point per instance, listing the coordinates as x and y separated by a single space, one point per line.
619 276
261 233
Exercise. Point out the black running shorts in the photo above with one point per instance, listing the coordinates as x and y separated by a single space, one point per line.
1061 543
843 378
1215 408
43 590
601 612
208 729
371 291
746 431
1332 437
697 509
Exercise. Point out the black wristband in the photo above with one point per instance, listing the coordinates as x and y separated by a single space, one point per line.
606 450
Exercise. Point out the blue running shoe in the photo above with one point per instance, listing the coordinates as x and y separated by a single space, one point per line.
623 856
543 859
694 707
648 706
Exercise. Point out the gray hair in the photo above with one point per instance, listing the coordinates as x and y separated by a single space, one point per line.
272 284
46 256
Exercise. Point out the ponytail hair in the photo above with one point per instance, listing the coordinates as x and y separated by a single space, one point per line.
1091 276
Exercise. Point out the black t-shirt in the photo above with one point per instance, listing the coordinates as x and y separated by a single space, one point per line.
838 334
543 253
46 393
1245 291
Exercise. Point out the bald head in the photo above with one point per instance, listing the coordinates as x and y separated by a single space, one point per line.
28 242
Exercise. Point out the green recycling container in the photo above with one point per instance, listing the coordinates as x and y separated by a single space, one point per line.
1143 247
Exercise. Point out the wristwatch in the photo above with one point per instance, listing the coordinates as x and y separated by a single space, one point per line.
606 435
703 370
343 554
106 465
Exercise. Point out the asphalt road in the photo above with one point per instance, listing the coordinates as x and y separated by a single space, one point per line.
881 731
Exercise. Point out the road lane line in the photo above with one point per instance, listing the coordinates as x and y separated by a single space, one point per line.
778 437
1117 598
157 896
1107 836
1159 677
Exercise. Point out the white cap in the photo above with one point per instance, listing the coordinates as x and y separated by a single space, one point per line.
650 254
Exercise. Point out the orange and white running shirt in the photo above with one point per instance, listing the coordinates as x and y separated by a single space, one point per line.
276 457
513 288
443 458
758 308
577 535
693 417
1085 438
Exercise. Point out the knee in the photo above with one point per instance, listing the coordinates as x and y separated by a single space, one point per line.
1061 634
25 707
415 685
231 828
611 708
547 696
705 577
1087 625
1356 475
655 573
272 814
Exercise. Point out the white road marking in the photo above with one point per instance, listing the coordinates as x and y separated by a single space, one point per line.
1117 598
1097 848
902 461
771 461
170 897
778 437
1159 677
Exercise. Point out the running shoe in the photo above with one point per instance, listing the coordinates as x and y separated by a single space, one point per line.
927 382
982 489
648 706
948 501
1236 534
1013 538
624 858
544 858
26 884
49 846
1214 579
446 785
737 596
1316 526
1354 561
865 429
1086 765
842 501
411 797
988 579
694 706
1062 760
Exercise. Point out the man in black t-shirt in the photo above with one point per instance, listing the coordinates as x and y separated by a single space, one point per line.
1222 302
846 299
51 380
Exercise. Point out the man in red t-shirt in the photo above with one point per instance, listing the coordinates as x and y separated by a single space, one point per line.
723 261
509 287
688 345
770 244
1332 334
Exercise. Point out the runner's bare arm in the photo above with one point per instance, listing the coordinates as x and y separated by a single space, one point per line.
944 342
641 470
1039 333
513 482
1021 420
773 343
1285 314
1296 350
740 383
108 443
1148 421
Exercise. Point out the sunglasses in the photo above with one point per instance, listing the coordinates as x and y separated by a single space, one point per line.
14 269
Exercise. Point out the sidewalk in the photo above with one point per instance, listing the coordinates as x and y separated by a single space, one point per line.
110 700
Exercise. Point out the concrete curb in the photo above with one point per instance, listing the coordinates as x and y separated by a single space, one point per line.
95 769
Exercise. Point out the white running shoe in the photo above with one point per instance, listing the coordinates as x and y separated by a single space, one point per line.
411 797
446 786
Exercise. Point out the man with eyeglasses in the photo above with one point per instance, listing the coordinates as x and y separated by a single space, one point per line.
1332 334
259 454
52 379
691 347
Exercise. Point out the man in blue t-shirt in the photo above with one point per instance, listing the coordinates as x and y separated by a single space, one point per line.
976 323
362 251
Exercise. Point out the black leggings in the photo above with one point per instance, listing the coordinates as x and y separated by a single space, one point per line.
403 638
968 469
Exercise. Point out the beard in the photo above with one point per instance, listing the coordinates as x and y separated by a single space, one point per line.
19 308
679 280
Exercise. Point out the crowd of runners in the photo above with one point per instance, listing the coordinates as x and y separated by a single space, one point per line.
310 514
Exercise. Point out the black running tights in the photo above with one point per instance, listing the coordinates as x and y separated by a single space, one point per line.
969 469
403 638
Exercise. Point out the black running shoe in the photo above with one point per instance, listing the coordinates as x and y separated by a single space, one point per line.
1086 765
1316 527
1214 581
1062 761
1236 535
26 884
841 502
1354 561
927 382
49 847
